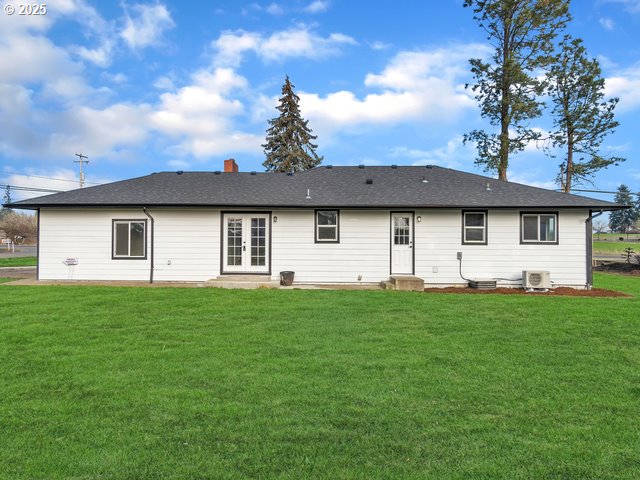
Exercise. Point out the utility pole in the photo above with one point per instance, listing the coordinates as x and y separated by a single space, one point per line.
81 161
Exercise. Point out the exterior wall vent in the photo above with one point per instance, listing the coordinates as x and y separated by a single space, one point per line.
360 167
217 172
536 279
253 173
394 166
369 181
329 167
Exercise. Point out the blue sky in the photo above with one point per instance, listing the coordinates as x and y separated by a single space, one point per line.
148 87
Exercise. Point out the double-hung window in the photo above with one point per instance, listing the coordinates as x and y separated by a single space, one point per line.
539 228
130 239
327 226
474 227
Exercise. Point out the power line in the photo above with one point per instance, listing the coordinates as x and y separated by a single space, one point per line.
57 179
30 189
602 191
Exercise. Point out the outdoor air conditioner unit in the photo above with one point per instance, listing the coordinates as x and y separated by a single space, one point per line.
536 279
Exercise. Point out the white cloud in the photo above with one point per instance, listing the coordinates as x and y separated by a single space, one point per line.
529 178
147 26
452 155
607 23
378 45
274 9
117 78
299 41
34 59
56 178
164 83
100 56
422 85
179 164
317 6
99 131
200 115
625 84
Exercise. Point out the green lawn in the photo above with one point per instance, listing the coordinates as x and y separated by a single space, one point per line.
615 247
142 383
19 262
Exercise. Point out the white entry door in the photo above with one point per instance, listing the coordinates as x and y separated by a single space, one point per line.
245 246
402 243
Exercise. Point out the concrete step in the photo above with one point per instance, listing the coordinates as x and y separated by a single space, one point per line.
405 282
242 281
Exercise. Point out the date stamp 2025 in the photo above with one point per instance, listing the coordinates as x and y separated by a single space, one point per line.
25 9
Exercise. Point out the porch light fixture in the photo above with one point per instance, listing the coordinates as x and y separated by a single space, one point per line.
419 218
275 219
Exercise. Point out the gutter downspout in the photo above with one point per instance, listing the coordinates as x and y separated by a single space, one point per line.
144 209
38 247
589 241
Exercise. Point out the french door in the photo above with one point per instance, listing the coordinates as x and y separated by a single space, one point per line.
402 243
245 244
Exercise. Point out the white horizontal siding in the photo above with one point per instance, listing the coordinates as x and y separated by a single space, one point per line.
187 244
85 234
187 247
438 239
363 249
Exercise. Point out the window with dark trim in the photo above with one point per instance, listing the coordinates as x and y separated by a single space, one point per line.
129 239
539 227
474 227
327 226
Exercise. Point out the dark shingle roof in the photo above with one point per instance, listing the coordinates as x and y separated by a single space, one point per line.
340 187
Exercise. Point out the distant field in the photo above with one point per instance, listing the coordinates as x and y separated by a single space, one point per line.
613 248
615 236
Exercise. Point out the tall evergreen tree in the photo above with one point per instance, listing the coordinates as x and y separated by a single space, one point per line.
289 147
622 220
581 118
521 33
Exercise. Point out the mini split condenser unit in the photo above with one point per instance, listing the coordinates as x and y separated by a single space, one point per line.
536 279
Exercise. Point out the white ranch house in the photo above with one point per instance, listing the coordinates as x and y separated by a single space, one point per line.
352 225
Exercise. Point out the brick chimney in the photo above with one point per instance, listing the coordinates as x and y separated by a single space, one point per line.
230 166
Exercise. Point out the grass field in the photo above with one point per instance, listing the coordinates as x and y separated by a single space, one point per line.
613 248
137 383
18 262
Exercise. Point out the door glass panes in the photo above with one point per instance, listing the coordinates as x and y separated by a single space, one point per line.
401 230
258 242
122 239
234 241
137 239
